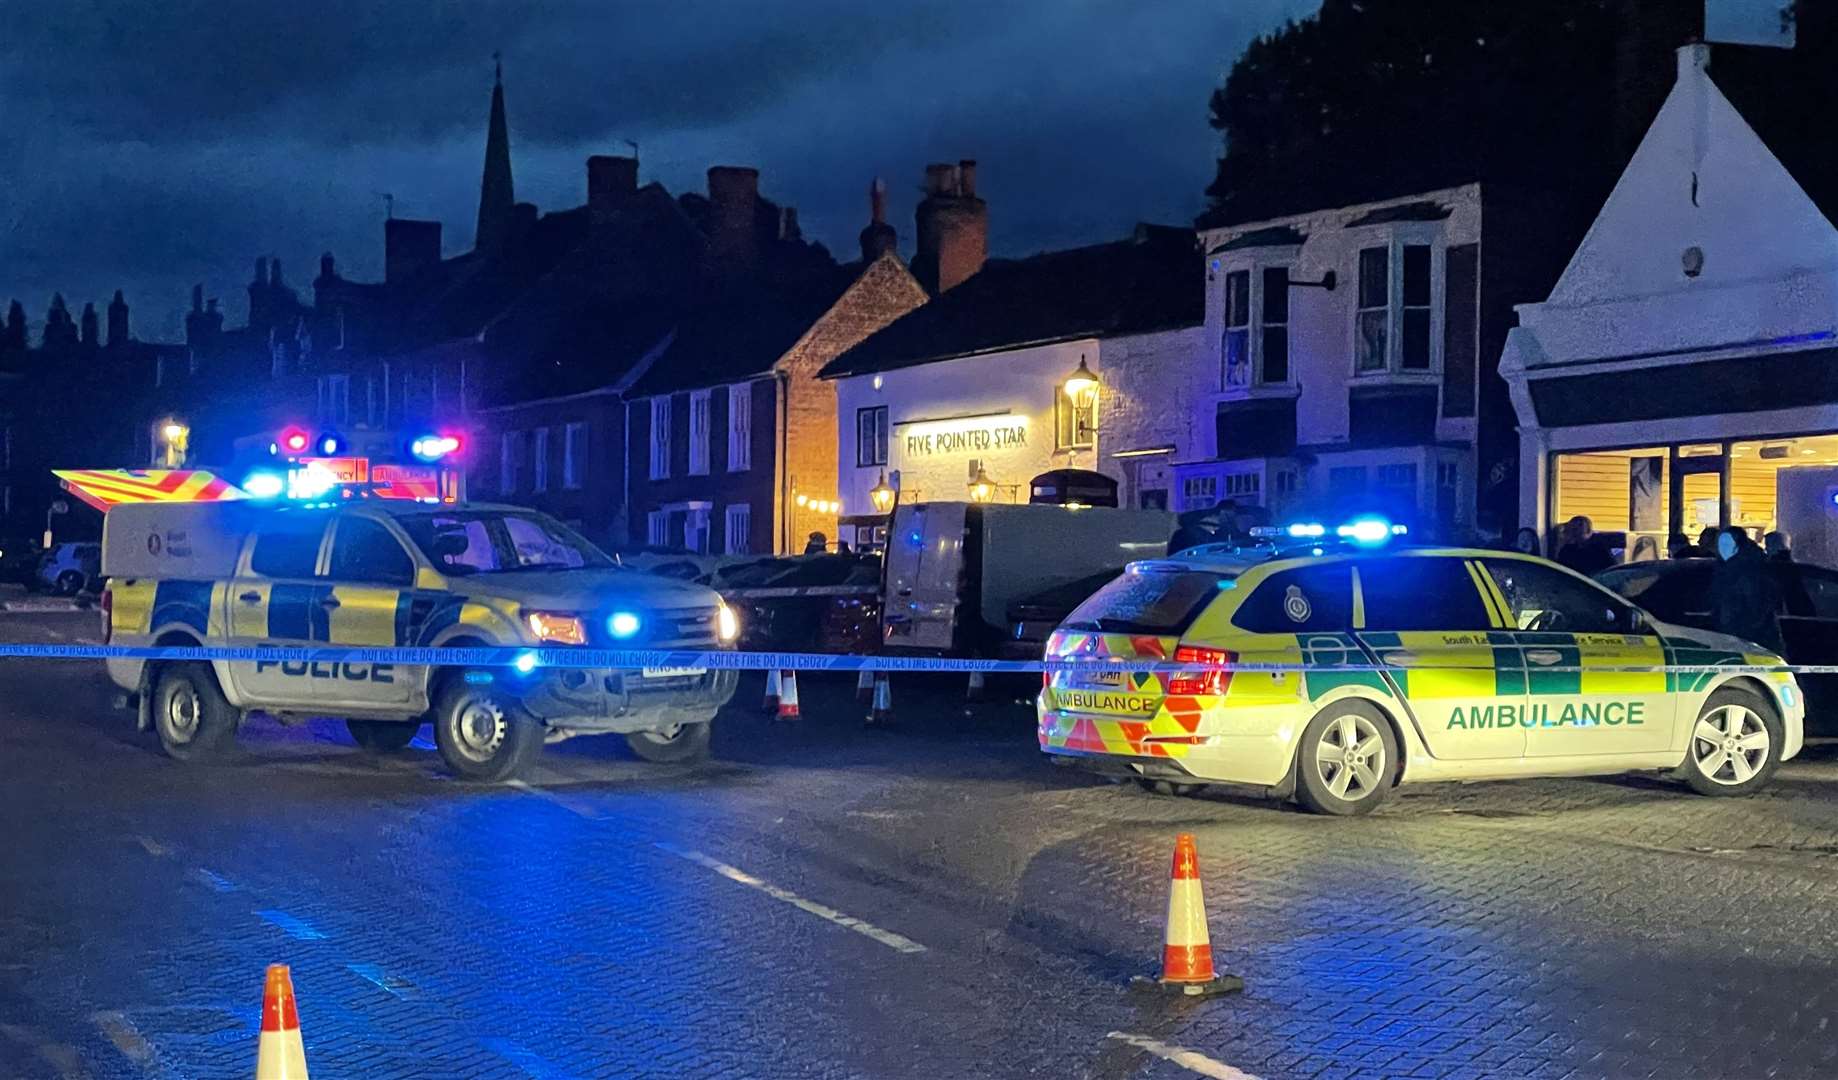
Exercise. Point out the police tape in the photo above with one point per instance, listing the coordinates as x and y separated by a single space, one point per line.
528 659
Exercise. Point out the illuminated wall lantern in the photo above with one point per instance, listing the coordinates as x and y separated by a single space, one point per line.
882 494
1082 385
982 488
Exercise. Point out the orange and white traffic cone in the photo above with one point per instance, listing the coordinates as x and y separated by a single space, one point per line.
788 696
280 1055
881 712
864 687
770 706
1187 950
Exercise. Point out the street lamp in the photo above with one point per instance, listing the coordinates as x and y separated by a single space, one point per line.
982 489
175 437
57 507
882 494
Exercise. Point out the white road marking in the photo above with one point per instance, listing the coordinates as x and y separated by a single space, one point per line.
121 1032
532 1065
886 937
393 985
217 882
1191 1060
293 927
573 806
154 847
63 1059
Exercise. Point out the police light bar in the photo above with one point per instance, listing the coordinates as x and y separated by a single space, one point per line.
1365 530
434 447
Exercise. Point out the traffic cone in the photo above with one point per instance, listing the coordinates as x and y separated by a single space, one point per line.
280 1055
864 687
1187 951
788 696
882 710
973 693
770 706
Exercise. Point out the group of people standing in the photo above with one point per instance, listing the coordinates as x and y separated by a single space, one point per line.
1746 593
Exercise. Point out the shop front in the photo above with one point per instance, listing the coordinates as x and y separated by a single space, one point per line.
1683 372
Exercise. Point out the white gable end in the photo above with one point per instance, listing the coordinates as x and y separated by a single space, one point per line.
1747 215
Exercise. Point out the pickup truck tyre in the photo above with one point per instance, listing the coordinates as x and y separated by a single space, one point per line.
482 732
382 736
193 719
672 746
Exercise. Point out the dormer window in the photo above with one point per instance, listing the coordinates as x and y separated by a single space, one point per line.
1256 344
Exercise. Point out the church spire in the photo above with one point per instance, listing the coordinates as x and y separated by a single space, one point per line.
495 198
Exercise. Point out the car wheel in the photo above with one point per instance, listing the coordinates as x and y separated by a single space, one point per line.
382 736
1346 760
1167 787
482 732
69 583
193 719
1735 744
674 745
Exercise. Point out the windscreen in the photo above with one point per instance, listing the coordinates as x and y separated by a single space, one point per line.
463 542
1148 601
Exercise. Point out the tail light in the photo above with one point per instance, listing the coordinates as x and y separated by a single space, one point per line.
107 607
1201 683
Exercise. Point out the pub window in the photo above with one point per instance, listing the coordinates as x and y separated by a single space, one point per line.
1243 484
871 436
1237 328
1273 337
574 454
1075 422
1284 482
657 528
1416 344
539 461
1199 492
1374 308
510 460
737 528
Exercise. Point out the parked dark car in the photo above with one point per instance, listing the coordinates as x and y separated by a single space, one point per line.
19 557
1678 591
1036 615
805 603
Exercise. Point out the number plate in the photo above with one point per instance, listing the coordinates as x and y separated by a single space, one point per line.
1098 680
673 672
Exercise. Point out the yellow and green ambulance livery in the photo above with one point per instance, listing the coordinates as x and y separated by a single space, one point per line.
1335 672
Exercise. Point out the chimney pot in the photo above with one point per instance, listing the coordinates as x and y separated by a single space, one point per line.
938 179
966 178
611 179
953 227
1692 58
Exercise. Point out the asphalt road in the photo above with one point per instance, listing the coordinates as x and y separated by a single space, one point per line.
823 901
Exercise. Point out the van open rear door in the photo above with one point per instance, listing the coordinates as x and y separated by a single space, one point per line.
925 564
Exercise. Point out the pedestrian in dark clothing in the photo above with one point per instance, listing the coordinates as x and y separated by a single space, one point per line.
816 544
1744 598
1526 542
1679 546
1195 527
1775 546
1582 550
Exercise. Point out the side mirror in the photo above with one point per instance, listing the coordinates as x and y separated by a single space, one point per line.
1637 621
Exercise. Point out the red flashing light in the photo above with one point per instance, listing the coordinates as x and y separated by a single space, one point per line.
1201 683
294 441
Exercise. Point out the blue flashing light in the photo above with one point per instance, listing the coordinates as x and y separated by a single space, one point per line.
264 485
1307 530
434 447
1366 531
330 444
525 663
478 678
623 624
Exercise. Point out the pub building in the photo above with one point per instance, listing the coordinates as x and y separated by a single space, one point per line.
1683 372
1023 381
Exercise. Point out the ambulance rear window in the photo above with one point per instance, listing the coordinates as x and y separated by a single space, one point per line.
1149 601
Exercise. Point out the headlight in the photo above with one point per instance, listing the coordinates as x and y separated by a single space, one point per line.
727 624
560 629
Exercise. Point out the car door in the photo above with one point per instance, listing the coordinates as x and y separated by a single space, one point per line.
1574 635
275 601
1809 631
1428 619
925 563
367 573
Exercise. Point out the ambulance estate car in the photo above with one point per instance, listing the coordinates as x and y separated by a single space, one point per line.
376 572
1412 665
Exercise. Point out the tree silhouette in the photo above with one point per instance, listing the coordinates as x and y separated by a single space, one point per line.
13 337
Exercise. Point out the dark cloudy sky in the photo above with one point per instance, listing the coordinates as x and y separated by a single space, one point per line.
147 145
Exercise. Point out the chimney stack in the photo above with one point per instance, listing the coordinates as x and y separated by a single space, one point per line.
117 321
733 207
90 332
788 226
611 180
258 294
953 227
409 247
878 237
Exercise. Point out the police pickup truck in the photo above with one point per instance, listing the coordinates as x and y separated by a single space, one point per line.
375 572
